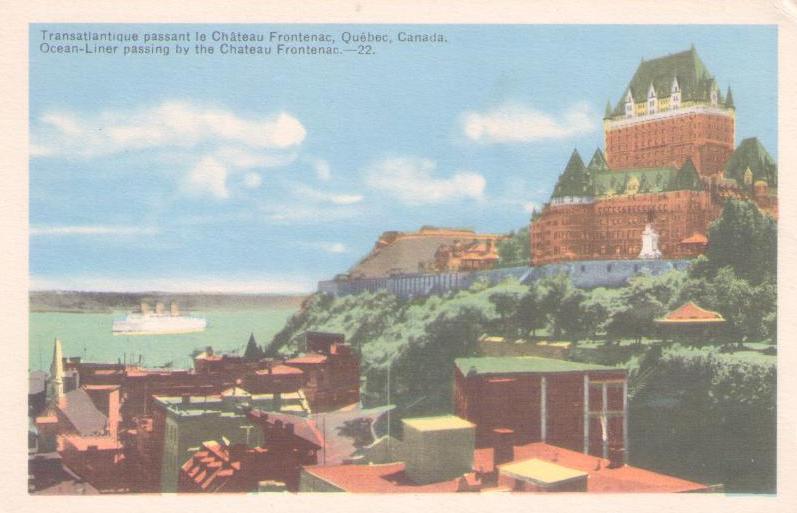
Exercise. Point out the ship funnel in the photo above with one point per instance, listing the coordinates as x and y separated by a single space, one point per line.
144 307
159 308
173 309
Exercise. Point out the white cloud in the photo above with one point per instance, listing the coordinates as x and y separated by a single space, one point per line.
100 230
229 285
170 124
412 181
516 123
252 180
208 177
333 247
247 159
328 247
322 170
309 193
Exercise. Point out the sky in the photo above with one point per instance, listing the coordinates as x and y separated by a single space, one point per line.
233 173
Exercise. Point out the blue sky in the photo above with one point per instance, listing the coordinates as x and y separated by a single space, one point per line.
267 174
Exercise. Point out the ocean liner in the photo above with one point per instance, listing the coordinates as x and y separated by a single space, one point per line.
159 322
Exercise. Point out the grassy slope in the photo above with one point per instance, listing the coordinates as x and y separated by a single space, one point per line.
697 413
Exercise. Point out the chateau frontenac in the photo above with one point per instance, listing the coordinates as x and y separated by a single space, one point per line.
670 164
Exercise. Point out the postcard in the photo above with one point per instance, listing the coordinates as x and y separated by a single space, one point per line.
282 257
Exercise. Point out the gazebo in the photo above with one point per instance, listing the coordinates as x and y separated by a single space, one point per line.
691 321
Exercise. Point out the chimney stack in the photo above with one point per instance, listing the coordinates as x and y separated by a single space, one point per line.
503 447
616 457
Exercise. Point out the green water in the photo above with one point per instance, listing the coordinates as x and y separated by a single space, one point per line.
89 335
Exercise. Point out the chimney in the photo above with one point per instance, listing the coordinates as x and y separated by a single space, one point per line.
173 309
144 308
289 428
616 457
503 446
277 401
186 399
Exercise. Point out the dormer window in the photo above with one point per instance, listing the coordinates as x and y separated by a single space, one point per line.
652 101
675 95
629 104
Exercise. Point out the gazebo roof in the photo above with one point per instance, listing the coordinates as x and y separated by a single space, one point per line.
690 313
696 238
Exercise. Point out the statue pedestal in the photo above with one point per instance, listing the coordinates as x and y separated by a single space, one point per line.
650 244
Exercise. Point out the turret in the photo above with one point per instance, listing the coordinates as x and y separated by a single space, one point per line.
729 99
57 373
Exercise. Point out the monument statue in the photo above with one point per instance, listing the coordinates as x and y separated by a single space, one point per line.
650 243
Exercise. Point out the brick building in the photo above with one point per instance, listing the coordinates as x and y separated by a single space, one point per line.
578 406
229 468
669 162
331 371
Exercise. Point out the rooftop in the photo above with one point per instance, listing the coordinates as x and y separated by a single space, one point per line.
552 462
694 79
280 370
525 365
690 313
540 471
307 359
441 423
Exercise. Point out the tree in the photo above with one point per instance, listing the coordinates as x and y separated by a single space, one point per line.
515 250
644 301
253 351
506 305
530 315
555 290
749 311
744 239
569 319
598 307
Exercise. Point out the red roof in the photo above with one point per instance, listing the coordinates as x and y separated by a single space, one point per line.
390 478
387 478
696 238
608 480
102 443
280 370
690 313
311 359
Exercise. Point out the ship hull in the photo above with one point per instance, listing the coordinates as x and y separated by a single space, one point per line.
158 325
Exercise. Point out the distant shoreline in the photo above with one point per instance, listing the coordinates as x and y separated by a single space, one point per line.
60 301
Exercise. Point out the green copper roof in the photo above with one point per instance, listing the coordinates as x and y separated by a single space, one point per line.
524 365
649 180
598 161
687 178
694 78
575 180
751 153
597 180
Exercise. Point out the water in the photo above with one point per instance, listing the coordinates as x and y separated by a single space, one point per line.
89 335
